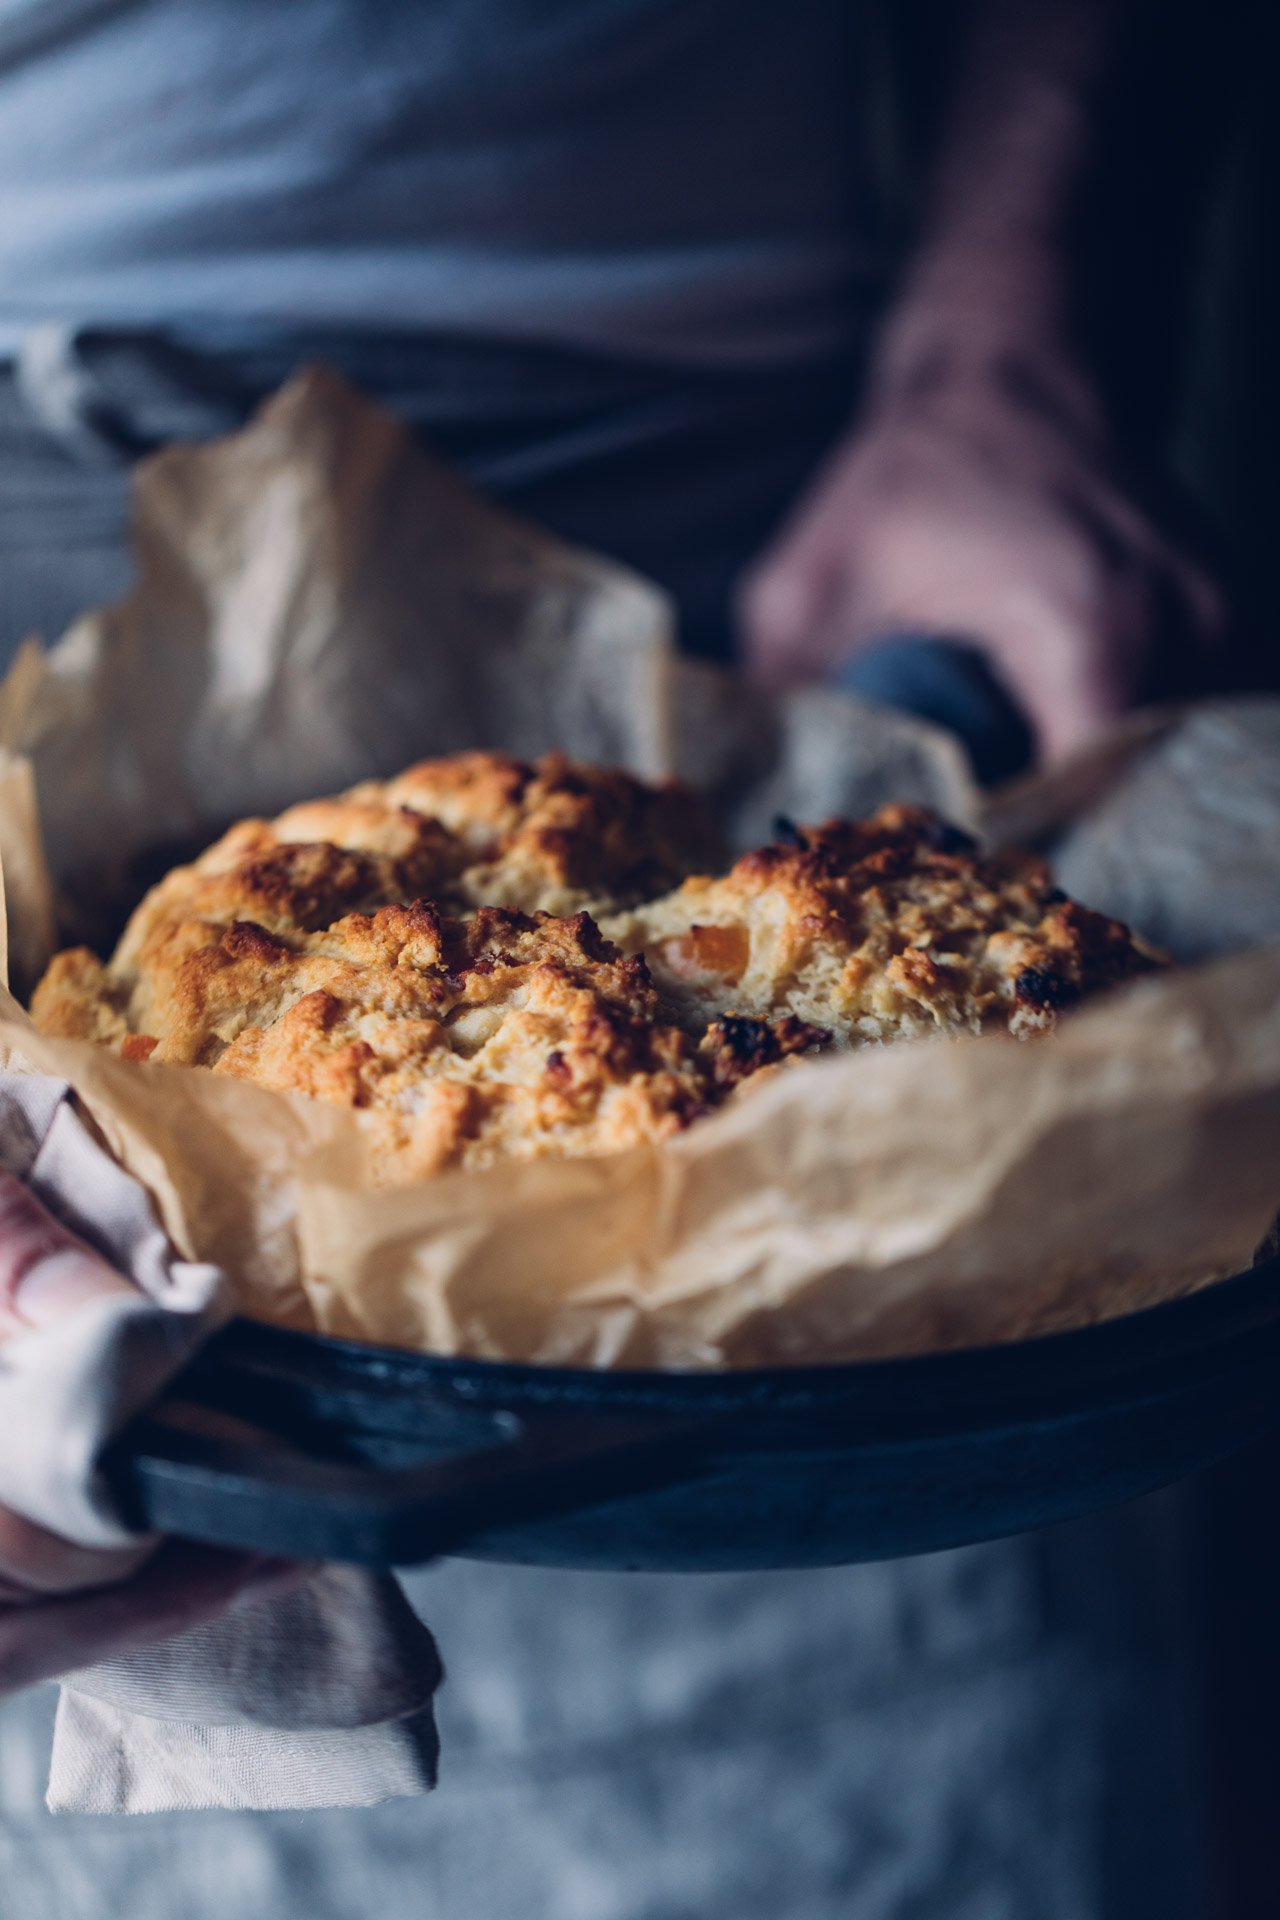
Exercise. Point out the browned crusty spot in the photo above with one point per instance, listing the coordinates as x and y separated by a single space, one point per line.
1042 988
246 940
555 833
477 795
306 1050
138 1046
735 1048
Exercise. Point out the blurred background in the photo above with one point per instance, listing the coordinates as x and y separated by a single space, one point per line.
1219 404
1206 389
1209 394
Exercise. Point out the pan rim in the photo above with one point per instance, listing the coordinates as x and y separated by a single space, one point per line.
1191 1334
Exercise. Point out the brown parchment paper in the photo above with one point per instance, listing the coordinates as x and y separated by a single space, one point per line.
318 601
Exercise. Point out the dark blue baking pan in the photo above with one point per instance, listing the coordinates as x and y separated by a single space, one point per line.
295 1444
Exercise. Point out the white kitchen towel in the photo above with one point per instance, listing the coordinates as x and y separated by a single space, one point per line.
317 1697
321 1696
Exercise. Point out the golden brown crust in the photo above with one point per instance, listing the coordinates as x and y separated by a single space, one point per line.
473 829
878 930
79 1000
286 954
350 951
462 1041
554 835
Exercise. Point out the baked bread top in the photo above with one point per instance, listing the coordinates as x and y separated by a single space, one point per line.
419 950
882 929
472 829
551 836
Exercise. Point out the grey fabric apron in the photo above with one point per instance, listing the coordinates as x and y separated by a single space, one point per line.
992 1734
1000 1733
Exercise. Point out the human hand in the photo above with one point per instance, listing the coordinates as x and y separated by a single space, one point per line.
985 504
62 1605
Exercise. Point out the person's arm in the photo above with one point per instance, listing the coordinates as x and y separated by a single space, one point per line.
61 1605
994 487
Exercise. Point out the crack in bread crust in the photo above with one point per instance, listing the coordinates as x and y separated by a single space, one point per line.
420 951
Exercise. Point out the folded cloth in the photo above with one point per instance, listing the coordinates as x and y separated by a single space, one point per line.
320 1696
